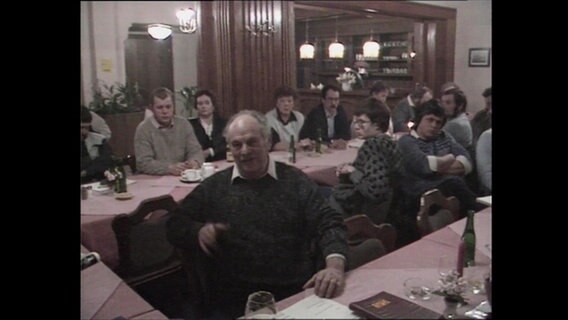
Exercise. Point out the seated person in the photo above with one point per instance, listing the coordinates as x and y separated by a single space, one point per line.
366 184
99 125
483 160
208 127
447 86
482 119
164 143
284 121
328 119
454 103
96 155
380 91
432 159
405 110
256 225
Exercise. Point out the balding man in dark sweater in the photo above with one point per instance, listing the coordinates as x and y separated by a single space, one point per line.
257 224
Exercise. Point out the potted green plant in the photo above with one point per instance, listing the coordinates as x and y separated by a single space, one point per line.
116 98
122 107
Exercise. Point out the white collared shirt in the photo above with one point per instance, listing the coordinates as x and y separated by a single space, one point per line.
271 170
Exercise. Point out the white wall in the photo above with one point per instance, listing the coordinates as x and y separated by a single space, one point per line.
473 30
104 29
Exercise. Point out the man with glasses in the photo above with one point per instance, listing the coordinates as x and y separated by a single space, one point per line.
328 119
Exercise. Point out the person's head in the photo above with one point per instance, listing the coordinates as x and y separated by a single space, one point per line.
371 119
447 86
285 96
86 119
162 105
487 95
330 98
379 91
430 118
421 95
249 139
205 103
454 103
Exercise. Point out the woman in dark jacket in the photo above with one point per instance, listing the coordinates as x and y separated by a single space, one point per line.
208 127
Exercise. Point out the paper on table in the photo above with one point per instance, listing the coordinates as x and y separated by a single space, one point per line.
98 185
485 200
314 307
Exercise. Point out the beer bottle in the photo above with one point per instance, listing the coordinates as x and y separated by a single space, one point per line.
468 238
318 141
292 150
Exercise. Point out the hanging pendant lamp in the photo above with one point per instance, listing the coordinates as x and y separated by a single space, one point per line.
336 49
307 50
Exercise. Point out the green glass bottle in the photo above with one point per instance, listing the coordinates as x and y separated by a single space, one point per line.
120 176
318 141
468 238
292 150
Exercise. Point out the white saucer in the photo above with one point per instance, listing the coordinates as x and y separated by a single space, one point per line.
189 181
123 196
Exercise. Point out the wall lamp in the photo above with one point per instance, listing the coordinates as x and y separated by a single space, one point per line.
187 20
264 29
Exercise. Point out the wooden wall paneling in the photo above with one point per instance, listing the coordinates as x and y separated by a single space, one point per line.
419 46
430 67
246 68
149 62
450 53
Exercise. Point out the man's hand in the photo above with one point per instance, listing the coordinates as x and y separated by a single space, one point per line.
328 282
339 144
208 236
175 169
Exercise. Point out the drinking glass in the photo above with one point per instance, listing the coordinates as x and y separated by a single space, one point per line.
418 288
260 305
446 263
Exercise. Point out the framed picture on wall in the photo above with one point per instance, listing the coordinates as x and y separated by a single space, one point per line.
479 57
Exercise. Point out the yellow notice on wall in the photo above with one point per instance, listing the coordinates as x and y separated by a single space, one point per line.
106 65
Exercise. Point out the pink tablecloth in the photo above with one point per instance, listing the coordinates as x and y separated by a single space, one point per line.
105 296
418 259
98 211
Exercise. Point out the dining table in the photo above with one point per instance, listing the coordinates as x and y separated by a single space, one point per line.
104 295
99 208
417 259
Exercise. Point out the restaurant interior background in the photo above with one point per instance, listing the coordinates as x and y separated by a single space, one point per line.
223 56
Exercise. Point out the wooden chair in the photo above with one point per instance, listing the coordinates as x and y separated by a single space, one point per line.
436 211
144 252
368 241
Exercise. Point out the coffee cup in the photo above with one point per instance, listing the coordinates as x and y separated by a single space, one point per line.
207 170
192 174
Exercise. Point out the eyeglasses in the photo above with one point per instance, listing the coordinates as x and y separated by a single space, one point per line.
360 122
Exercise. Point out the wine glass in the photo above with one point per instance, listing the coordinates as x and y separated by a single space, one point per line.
260 305
446 264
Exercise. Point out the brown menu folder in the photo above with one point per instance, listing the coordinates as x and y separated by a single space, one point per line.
387 306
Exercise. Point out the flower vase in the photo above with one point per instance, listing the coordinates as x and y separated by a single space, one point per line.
451 311
346 86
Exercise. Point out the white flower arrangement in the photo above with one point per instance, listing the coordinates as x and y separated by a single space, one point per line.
346 77
452 286
111 176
